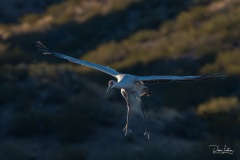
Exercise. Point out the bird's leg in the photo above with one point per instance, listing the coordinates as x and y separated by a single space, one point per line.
128 107
147 132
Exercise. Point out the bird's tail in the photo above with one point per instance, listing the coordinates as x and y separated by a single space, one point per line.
147 92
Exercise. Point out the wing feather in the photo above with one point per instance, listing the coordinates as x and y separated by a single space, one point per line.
158 79
105 69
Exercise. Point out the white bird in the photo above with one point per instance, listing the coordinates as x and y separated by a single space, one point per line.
130 84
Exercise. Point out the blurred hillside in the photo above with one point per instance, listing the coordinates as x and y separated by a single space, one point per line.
12 10
52 109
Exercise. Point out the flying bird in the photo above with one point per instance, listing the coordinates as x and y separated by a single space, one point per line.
130 85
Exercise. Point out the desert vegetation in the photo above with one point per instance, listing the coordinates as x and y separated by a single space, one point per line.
52 109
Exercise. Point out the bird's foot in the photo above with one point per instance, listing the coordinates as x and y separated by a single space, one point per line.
147 133
126 130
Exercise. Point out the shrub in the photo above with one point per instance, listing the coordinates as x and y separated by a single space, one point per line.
227 61
218 105
67 152
11 151
71 126
30 18
28 124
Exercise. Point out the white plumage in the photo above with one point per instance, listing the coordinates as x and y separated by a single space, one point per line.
130 84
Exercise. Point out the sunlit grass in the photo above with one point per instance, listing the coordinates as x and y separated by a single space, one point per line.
219 105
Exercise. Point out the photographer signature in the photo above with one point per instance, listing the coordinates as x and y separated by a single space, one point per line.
216 150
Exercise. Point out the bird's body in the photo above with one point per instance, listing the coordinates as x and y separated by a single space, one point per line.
130 85
125 81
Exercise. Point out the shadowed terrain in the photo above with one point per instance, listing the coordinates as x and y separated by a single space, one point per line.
53 109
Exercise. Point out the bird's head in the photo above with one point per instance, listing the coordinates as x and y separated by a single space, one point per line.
111 84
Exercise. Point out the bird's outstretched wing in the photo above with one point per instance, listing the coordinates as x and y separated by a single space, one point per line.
104 69
158 79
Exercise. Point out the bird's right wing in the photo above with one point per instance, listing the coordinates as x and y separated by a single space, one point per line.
157 79
104 69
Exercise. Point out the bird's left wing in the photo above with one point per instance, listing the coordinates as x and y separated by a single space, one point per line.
157 79
104 69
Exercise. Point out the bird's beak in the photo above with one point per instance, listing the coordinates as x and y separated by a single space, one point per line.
108 89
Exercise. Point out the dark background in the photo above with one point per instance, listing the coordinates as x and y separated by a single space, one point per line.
52 109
